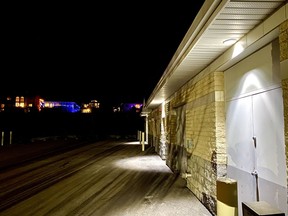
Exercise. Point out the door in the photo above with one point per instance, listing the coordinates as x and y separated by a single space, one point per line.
256 149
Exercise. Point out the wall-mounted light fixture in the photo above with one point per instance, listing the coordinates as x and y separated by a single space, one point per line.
229 41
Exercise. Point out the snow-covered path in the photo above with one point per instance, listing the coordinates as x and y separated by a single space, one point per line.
112 178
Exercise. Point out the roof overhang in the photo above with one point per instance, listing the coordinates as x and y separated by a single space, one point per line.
249 24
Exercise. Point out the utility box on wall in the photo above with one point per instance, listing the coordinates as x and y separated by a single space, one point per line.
260 208
227 199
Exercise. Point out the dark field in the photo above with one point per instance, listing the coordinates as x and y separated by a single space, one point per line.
22 127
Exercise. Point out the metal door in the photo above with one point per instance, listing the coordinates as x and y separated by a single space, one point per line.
255 147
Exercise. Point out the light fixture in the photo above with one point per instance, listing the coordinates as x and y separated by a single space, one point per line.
229 41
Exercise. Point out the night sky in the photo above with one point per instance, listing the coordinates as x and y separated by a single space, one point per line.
78 51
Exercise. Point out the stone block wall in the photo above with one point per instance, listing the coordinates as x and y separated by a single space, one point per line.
204 134
171 136
205 142
283 41
154 125
285 99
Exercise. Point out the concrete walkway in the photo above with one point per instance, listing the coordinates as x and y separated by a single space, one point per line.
154 189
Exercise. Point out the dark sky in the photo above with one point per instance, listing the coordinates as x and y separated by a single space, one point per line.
80 50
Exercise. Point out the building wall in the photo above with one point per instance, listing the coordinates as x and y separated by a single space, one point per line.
283 41
255 127
205 137
285 99
204 145
202 153
154 129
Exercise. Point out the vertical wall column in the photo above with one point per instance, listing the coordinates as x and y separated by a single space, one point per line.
163 133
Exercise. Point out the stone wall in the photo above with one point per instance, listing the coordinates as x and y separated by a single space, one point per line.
154 121
283 41
204 145
205 137
285 99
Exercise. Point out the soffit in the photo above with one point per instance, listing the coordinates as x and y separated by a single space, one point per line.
215 22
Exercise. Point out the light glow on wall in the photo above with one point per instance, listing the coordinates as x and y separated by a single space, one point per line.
238 48
163 114
250 83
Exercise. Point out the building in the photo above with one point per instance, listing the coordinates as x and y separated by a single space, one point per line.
21 103
128 107
90 107
62 106
220 111
36 103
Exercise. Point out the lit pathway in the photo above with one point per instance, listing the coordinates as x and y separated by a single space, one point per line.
106 178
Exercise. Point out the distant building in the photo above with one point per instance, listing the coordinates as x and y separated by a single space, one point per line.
62 106
128 107
38 104
21 103
90 107
35 104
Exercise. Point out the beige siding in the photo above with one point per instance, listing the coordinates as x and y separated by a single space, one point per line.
204 133
283 40
285 99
